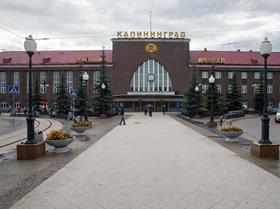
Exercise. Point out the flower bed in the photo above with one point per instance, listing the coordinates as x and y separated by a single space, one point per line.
58 135
60 140
231 131
82 124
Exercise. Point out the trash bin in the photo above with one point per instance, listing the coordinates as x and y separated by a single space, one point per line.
38 136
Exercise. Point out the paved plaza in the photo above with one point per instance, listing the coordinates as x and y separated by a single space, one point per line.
156 163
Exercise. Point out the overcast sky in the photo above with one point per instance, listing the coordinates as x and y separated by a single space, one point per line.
90 24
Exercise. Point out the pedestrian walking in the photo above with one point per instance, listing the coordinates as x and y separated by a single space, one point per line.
145 110
24 111
163 109
150 110
122 115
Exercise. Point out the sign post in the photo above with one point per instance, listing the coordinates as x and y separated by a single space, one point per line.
13 90
73 95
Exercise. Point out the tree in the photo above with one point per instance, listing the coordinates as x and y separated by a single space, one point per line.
233 96
193 99
62 98
81 99
259 95
212 94
37 96
103 98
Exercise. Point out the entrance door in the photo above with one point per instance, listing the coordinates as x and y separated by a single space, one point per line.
136 107
157 106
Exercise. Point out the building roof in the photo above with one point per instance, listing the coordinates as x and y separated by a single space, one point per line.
233 57
93 57
55 57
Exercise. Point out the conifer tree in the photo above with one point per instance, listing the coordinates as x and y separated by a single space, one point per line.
37 96
62 98
193 99
213 95
103 98
81 99
233 96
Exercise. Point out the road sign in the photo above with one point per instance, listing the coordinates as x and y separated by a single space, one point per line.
73 93
14 90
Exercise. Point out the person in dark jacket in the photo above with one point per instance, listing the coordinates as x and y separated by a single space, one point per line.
122 115
164 109
150 110
145 110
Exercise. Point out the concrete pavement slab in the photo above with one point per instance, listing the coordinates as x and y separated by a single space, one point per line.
156 162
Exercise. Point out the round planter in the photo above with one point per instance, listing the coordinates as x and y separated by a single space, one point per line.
60 146
231 136
80 129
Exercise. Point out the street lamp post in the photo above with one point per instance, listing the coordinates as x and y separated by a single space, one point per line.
211 123
85 78
30 48
265 50
103 86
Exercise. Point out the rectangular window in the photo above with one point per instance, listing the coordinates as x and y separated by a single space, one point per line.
269 75
218 75
69 81
55 81
257 75
230 75
3 87
229 88
270 103
3 104
256 87
204 88
244 89
204 74
219 87
243 75
16 79
96 77
43 82
269 89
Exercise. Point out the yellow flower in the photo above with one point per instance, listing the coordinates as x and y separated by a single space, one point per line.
82 124
58 135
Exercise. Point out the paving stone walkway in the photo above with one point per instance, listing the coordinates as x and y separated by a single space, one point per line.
156 163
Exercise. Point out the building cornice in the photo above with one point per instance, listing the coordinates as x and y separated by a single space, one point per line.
56 66
235 66
150 40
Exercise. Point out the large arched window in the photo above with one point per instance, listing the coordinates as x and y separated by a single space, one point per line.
150 77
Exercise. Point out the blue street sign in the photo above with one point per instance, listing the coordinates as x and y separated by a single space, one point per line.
73 93
14 90
178 105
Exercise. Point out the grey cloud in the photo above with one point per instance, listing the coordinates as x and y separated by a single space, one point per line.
205 21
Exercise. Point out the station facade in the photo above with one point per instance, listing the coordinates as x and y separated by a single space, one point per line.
143 68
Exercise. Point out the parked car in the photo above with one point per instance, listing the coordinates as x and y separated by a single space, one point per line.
277 116
234 114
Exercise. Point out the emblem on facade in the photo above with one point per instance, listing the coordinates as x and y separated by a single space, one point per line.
151 48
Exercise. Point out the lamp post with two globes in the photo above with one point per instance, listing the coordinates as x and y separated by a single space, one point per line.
265 50
30 47
85 78
212 123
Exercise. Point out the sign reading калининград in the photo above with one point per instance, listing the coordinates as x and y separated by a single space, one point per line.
150 34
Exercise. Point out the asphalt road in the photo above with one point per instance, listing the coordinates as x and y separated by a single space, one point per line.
252 128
